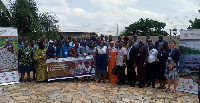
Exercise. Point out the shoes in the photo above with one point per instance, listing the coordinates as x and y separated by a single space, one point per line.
160 87
133 85
167 90
174 91
120 84
99 81
127 83
148 85
141 86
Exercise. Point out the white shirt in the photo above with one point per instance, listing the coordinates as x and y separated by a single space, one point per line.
152 56
102 50
120 56
87 70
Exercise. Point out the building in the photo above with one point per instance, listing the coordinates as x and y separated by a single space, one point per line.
77 34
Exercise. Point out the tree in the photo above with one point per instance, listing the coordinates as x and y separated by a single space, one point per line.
25 17
195 24
145 27
31 24
5 18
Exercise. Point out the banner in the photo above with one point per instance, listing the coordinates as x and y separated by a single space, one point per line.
190 34
187 85
8 56
70 67
189 46
8 32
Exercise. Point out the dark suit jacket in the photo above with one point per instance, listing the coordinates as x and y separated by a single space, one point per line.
164 43
175 55
51 51
133 54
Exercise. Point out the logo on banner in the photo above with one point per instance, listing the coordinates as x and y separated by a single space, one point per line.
185 35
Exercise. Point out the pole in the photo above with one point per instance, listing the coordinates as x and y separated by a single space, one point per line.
117 31
170 33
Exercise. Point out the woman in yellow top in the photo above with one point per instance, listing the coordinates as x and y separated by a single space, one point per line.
40 57
111 63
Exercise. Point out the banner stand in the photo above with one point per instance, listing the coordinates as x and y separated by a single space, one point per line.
9 56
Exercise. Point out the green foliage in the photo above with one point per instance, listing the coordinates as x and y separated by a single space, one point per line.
195 24
188 50
31 24
5 20
145 27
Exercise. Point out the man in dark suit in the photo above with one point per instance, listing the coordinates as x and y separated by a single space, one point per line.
161 41
53 50
131 61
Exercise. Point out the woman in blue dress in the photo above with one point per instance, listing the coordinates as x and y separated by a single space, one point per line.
172 63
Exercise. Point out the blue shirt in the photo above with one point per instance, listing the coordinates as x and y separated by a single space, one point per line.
64 51
159 45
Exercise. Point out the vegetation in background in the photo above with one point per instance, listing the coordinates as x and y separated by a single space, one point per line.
188 50
25 16
145 27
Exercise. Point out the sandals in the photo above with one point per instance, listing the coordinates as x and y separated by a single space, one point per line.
174 91
167 90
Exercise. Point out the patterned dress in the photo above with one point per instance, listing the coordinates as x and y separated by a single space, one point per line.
111 64
173 57
26 59
40 55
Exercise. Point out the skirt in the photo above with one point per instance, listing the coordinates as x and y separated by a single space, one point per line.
174 73
101 62
23 69
160 71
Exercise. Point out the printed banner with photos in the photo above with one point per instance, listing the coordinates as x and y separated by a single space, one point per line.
70 67
8 56
189 60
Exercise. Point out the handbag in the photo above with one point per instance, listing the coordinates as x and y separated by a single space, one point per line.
115 71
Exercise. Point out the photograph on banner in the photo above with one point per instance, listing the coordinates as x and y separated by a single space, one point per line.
190 56
61 69
8 54
83 67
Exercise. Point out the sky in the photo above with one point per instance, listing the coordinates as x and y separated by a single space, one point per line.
103 16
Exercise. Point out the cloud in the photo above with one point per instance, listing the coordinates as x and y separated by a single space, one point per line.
187 5
111 3
110 13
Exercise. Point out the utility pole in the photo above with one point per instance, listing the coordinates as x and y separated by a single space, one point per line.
117 31
170 33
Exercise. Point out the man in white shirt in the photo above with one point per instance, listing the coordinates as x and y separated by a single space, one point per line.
151 66
121 63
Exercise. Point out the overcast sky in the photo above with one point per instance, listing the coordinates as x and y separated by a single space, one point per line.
103 16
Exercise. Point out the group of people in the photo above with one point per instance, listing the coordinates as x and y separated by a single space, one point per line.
152 60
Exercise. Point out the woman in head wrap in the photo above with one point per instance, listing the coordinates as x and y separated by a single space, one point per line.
112 52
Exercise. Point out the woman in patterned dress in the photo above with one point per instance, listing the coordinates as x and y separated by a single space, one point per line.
172 70
25 61
41 56
112 53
